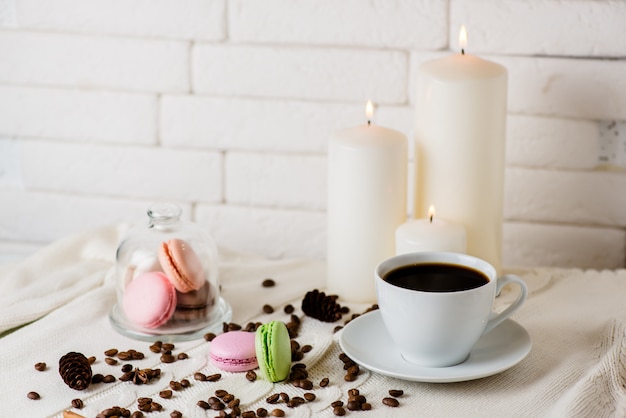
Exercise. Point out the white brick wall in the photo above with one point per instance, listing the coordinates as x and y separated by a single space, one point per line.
225 107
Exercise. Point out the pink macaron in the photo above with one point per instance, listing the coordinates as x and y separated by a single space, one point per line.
182 265
234 351
149 300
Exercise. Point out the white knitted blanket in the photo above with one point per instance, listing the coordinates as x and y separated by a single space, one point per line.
576 320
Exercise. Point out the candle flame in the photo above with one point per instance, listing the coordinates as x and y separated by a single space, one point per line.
463 39
431 212
369 111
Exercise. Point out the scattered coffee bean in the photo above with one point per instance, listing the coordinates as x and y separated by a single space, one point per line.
273 398
209 336
277 413
227 327
306 348
261 412
110 361
248 414
220 393
214 377
168 358
336 403
176 385
309 396
288 309
396 392
339 411
393 402
40 367
110 352
337 328
203 404
97 378
77 403
284 397
115 411
185 383
126 368
324 382
176 414
137 414
182 356
306 384
91 360
109 378
168 347
200 377
251 376
366 406
268 309
268 283
165 394
33 395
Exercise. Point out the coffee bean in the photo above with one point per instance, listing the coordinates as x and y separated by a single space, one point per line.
284 397
182 356
209 336
110 352
339 411
126 368
220 393
185 383
214 377
91 360
124 356
396 392
261 412
109 378
168 358
176 385
268 283
393 402
248 414
200 377
353 406
110 361
168 347
365 406
203 404
176 414
229 397
336 403
137 414
268 309
306 384
251 376
349 377
40 367
306 348
288 309
337 328
353 392
77 403
272 398
33 395
277 413
309 396
97 378
324 382
165 394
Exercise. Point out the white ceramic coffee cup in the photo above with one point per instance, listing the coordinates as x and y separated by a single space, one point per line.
439 329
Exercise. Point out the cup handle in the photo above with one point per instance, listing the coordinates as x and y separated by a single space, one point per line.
496 319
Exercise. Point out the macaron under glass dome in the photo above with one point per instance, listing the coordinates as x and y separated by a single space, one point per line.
167 280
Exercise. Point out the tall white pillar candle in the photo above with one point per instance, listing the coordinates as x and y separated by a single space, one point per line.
430 234
460 142
367 188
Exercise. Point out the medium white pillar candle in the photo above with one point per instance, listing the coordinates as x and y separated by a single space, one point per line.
460 143
430 234
367 188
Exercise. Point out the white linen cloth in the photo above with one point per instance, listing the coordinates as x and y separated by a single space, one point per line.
576 320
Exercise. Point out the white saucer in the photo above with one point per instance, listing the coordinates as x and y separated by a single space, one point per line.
366 341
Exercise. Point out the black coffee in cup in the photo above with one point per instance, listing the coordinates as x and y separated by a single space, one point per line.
436 277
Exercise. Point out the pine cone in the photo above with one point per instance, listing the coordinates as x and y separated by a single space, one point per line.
318 305
75 370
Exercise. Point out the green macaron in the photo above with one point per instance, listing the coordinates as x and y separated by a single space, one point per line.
273 350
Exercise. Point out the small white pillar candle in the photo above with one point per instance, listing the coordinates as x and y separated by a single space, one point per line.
367 189
430 234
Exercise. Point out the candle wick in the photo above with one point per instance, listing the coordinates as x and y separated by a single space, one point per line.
462 51
369 122
431 219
